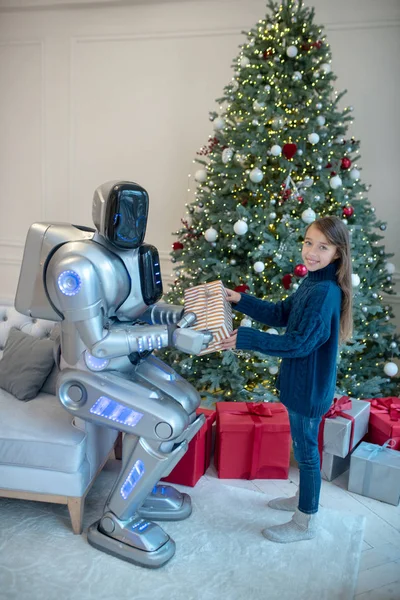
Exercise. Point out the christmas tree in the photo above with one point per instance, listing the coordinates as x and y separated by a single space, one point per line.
278 158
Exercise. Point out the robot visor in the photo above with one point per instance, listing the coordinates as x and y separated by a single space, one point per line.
126 215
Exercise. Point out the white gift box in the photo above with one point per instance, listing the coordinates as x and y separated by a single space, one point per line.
333 466
375 472
337 431
213 311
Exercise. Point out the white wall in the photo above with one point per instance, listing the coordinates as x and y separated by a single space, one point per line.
96 90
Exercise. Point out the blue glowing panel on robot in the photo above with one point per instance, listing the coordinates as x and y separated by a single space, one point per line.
126 215
150 274
135 474
114 411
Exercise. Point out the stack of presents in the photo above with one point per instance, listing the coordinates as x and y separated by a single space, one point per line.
252 440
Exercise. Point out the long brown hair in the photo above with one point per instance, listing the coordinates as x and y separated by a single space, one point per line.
336 233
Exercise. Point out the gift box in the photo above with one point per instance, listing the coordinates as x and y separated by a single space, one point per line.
343 426
375 472
332 466
213 311
195 462
384 421
253 440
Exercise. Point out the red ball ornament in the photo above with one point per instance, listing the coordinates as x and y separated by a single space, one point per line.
289 150
286 281
300 199
348 211
328 166
300 270
177 246
346 163
242 288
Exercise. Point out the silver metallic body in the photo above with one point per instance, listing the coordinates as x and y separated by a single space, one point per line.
109 375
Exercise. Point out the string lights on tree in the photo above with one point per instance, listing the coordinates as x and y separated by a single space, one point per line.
278 157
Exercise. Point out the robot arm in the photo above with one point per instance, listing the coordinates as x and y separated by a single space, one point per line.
75 289
163 313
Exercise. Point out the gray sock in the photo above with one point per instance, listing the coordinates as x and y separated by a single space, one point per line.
283 503
300 527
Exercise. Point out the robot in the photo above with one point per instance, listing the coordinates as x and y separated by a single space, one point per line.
104 286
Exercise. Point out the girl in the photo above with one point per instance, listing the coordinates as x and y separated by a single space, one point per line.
317 316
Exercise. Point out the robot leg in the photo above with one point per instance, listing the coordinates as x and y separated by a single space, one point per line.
122 531
152 424
165 503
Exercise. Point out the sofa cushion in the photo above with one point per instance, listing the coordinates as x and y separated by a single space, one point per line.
25 365
39 434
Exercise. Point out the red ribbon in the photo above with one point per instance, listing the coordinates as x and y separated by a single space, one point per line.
389 406
336 410
256 410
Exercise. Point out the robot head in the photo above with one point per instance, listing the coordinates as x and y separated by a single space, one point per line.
119 212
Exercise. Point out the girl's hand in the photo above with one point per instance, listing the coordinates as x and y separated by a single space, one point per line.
230 342
232 296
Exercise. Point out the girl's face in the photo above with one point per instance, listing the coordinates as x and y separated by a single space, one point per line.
317 252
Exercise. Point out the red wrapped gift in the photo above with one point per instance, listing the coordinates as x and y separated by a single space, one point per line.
197 459
253 440
384 421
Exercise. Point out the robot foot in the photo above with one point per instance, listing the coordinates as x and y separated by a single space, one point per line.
165 503
137 541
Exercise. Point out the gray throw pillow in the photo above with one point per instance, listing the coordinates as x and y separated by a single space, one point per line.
26 363
49 386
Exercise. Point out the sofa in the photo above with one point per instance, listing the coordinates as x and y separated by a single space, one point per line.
46 454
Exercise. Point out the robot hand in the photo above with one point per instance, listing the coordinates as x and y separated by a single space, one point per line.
189 340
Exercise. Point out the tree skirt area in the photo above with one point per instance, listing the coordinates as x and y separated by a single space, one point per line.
220 552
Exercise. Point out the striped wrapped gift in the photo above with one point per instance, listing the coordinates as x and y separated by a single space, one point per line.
213 311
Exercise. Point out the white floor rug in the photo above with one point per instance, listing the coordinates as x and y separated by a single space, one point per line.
221 553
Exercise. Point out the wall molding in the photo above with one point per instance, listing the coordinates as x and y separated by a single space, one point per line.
43 129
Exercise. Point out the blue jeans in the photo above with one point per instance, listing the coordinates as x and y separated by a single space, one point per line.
304 432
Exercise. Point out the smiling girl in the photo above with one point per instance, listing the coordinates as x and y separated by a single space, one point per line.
317 317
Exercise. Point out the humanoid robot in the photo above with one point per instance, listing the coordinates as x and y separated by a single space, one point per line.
104 286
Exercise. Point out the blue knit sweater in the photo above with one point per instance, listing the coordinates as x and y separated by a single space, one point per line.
309 347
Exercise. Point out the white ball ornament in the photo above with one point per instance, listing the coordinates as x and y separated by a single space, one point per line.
200 175
354 174
307 182
218 123
240 227
391 369
291 51
325 68
276 150
313 138
335 182
227 154
245 322
244 61
297 76
259 266
308 216
390 268
321 120
272 331
211 234
235 85
273 370
355 280
256 175
258 106
295 286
